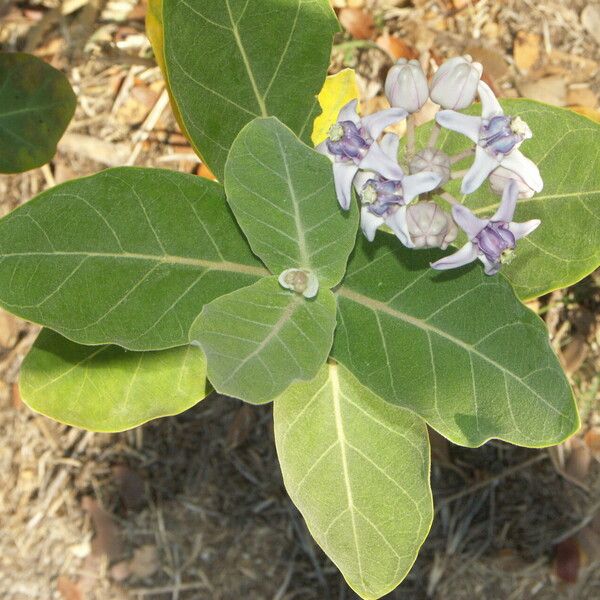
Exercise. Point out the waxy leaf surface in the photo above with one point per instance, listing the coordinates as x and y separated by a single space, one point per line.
128 256
458 348
259 339
36 105
566 246
358 470
253 59
283 196
107 388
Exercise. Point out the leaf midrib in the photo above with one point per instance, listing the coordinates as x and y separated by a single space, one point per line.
376 305
163 259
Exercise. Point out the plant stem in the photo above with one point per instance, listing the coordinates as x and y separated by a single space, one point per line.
449 198
433 136
461 155
410 137
458 174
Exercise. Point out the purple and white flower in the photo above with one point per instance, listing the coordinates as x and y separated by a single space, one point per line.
406 85
454 84
498 137
351 145
493 240
384 200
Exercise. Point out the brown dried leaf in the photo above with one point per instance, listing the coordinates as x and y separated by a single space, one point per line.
131 487
145 561
68 589
578 463
9 330
526 49
358 23
396 47
592 440
574 354
107 540
567 560
492 59
241 427
551 90
590 19
579 95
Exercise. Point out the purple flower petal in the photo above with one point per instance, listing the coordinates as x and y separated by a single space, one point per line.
526 169
419 183
377 160
506 210
489 267
460 123
489 103
467 221
322 149
343 174
349 112
369 223
482 166
467 254
520 230
378 121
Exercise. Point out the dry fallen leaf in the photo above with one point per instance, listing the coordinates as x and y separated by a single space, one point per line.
526 49
578 462
492 59
358 23
396 47
241 427
145 562
552 90
590 19
131 487
68 589
107 540
567 560
581 95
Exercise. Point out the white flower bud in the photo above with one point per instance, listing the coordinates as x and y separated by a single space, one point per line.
300 281
500 177
433 160
406 85
429 226
454 84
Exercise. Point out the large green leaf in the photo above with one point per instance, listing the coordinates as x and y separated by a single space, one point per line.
36 105
458 348
128 256
106 388
230 61
283 196
259 339
358 470
566 246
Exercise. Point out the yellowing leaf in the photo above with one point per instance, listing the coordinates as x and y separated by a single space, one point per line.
590 113
338 90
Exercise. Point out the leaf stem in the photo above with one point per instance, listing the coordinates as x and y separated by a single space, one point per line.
449 198
433 136
458 174
462 155
410 137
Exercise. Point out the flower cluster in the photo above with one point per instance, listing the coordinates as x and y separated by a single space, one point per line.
401 197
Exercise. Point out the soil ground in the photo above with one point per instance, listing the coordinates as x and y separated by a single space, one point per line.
193 507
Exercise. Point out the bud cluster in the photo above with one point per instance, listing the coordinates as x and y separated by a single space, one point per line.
405 198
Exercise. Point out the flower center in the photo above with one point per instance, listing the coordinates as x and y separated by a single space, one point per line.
297 279
501 134
496 242
336 132
382 195
346 141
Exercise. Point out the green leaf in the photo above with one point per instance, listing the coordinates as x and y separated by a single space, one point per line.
283 196
259 339
566 246
106 388
36 105
230 61
458 348
128 256
358 470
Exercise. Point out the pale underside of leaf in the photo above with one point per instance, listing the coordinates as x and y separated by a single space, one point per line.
283 196
358 470
106 388
460 350
260 339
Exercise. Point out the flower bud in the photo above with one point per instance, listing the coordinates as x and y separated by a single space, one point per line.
454 84
433 160
406 85
429 226
500 177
